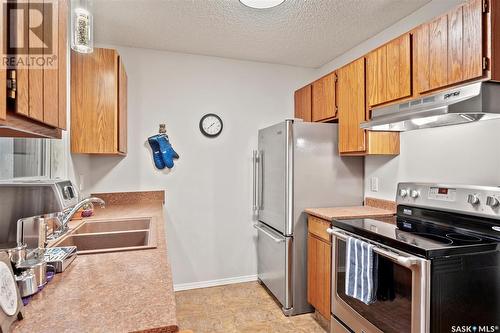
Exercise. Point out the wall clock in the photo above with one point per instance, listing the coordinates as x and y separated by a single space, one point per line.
10 299
211 125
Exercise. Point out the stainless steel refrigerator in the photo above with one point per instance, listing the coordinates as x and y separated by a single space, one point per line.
296 166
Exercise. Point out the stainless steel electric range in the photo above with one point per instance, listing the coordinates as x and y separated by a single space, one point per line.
438 263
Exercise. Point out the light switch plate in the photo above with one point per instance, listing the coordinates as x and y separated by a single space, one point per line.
374 184
81 182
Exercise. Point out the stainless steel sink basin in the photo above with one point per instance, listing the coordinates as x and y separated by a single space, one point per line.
112 236
110 226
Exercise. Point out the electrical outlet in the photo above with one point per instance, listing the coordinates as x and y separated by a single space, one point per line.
374 184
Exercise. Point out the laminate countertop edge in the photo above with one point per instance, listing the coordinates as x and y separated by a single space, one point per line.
372 208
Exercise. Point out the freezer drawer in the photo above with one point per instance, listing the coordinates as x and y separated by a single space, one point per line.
273 264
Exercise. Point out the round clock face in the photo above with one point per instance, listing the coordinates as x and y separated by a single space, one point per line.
8 292
211 125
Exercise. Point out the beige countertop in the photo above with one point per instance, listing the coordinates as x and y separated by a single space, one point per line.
372 208
110 292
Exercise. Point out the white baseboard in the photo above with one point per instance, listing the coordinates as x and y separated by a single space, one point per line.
214 283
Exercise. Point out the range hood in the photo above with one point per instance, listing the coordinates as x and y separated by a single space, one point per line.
465 104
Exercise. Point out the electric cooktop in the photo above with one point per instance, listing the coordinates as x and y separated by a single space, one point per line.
422 238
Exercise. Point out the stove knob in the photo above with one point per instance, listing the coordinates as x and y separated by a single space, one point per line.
414 194
492 201
473 199
403 193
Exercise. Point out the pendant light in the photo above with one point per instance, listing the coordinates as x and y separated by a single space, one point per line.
262 4
82 27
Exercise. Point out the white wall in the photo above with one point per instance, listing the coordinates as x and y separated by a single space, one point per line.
208 208
464 154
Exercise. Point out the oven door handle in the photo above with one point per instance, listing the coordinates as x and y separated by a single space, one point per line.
406 261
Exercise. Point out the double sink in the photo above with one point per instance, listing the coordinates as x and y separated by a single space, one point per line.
111 235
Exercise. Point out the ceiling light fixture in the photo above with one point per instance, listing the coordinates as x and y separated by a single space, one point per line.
82 30
261 4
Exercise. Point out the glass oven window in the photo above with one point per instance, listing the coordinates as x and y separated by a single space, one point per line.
391 313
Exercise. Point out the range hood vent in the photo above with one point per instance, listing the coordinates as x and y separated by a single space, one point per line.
465 104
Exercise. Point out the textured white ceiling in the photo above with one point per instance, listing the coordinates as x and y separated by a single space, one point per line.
305 33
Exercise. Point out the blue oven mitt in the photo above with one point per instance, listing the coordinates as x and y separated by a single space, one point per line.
168 153
157 156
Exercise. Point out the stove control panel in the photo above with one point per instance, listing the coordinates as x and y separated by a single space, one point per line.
465 199
443 194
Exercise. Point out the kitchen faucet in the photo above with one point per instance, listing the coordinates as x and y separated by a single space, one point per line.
64 217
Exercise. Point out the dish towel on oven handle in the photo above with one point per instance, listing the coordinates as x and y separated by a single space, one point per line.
361 271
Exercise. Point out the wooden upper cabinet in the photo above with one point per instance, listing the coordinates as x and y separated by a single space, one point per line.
303 103
449 50
122 108
33 94
98 103
376 76
388 71
3 77
399 68
351 105
455 50
323 98
472 39
421 58
41 90
438 52
63 63
3 94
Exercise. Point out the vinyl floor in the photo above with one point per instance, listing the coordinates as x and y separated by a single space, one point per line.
243 307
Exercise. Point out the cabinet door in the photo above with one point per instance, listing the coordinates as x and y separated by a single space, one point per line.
63 63
35 75
94 102
398 68
351 104
376 73
319 274
50 77
54 78
438 52
41 90
421 58
122 108
3 77
449 50
472 39
303 103
323 98
455 51
388 72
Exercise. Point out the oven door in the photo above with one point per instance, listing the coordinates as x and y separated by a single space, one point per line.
403 292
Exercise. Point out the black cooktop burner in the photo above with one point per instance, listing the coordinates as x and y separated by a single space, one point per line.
427 237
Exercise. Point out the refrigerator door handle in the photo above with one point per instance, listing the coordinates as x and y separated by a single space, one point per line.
260 184
268 233
254 181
